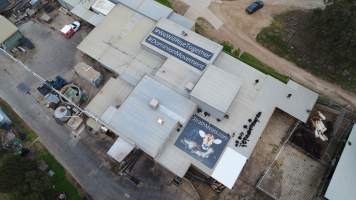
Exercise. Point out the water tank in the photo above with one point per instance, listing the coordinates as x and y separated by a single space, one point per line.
62 114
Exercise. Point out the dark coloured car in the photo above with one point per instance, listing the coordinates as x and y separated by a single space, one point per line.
253 7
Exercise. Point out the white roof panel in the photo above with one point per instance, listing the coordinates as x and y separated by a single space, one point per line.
217 88
149 8
178 75
229 167
87 15
113 93
154 10
7 29
342 184
120 149
116 43
103 6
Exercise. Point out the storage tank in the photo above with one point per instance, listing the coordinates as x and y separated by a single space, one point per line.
72 92
62 114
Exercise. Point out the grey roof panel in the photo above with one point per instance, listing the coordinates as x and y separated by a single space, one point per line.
149 8
342 184
7 29
181 20
217 88
136 121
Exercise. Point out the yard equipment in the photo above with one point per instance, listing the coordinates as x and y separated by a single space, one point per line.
319 127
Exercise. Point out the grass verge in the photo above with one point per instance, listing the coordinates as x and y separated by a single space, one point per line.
59 180
21 126
165 2
253 62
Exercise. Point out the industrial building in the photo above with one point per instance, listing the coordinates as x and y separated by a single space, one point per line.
9 34
178 97
341 185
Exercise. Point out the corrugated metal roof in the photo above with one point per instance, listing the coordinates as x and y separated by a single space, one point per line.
103 6
342 184
113 93
116 44
120 149
138 122
224 172
217 88
149 8
7 29
87 15
181 20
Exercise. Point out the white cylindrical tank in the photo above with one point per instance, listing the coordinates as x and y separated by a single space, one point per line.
62 114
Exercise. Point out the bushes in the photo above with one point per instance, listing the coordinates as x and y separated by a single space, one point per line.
165 2
20 176
254 62
322 41
59 179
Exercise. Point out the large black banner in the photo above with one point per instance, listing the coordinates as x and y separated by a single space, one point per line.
176 52
183 43
203 141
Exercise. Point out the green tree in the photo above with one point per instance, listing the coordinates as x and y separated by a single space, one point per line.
12 172
20 177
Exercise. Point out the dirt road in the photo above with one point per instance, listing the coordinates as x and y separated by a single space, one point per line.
241 30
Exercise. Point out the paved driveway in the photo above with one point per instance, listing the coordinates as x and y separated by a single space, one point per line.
200 8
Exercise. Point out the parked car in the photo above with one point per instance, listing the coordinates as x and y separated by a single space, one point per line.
69 29
254 6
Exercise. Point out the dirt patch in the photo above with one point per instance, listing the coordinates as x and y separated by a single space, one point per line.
262 157
240 30
179 6
294 175
233 14
203 27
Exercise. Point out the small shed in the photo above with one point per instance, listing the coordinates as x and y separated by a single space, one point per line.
120 149
9 35
88 73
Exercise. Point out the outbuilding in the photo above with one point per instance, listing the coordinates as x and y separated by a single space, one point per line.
9 35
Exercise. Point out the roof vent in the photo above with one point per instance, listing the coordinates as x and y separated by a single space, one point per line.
189 86
160 121
154 103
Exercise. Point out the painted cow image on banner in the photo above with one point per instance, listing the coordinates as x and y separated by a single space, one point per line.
203 141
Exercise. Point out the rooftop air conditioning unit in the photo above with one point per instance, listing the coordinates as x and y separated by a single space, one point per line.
154 103
189 86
